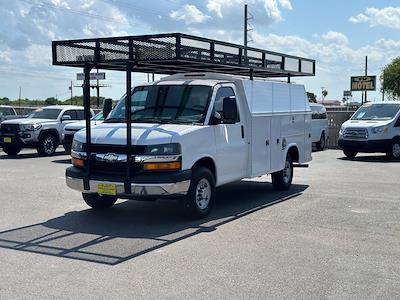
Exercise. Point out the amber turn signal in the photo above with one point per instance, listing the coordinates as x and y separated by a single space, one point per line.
77 162
165 166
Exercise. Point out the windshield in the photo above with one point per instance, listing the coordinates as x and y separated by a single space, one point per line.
47 113
376 112
166 104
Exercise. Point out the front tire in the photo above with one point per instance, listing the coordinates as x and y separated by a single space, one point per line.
394 151
199 200
322 142
97 201
350 153
12 150
282 180
47 145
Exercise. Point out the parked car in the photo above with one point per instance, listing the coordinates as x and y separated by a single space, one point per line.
190 134
319 125
71 129
7 113
42 129
374 127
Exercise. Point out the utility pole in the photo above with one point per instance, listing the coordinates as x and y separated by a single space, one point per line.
366 74
70 88
19 97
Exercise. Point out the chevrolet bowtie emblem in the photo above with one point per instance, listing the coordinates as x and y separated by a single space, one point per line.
110 157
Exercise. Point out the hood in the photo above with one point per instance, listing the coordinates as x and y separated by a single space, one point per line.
28 121
142 133
80 125
366 123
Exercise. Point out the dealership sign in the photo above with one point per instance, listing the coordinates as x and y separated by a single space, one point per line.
363 83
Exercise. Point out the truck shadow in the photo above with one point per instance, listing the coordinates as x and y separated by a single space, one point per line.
370 158
29 155
131 228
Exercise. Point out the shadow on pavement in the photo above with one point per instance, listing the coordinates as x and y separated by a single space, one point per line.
28 155
133 228
62 161
370 158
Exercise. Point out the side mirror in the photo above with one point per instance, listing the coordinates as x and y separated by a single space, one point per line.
107 107
66 118
229 110
215 118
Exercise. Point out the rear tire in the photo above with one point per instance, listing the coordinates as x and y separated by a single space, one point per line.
322 142
394 151
282 180
350 153
97 201
47 145
199 200
12 150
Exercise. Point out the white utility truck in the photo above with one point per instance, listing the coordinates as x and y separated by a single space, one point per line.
194 132
217 118
374 127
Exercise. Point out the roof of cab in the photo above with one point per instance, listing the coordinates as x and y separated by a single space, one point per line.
62 107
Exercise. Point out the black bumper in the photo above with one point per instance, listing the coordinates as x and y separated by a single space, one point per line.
365 146
156 177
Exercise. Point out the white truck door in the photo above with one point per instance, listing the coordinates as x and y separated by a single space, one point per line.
231 142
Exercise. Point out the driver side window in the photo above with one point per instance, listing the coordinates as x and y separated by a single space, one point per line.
223 92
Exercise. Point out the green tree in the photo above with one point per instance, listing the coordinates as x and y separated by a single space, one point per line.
51 101
390 79
312 97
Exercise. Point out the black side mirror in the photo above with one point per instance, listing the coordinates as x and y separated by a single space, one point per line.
229 110
107 107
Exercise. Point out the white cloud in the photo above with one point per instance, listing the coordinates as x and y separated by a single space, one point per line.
190 14
272 9
286 4
335 37
387 17
5 56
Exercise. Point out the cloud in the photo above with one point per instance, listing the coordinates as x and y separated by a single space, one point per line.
190 14
272 7
387 17
335 37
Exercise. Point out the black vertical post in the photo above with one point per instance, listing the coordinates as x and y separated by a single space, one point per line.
366 74
288 78
88 116
128 116
245 34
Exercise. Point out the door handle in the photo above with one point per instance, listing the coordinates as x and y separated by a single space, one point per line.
242 130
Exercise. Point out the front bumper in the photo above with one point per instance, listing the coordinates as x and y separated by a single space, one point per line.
369 146
142 186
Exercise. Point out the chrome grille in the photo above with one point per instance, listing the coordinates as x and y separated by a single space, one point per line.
355 134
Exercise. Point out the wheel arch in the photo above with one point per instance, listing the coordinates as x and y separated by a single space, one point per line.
294 153
53 132
207 162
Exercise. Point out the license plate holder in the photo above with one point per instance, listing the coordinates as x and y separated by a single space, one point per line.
109 189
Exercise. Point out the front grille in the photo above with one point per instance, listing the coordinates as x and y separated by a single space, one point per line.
116 168
355 134
9 128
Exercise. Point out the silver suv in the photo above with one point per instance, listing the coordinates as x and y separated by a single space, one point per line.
42 129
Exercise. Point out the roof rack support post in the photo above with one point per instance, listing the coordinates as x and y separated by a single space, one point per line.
251 74
88 116
128 116
288 78
178 46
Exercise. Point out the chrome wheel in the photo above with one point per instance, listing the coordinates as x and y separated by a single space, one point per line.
203 194
396 151
287 172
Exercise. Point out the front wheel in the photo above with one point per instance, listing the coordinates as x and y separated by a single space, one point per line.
97 201
199 200
11 150
282 180
47 145
394 151
350 153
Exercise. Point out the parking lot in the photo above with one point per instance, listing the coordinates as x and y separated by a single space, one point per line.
335 234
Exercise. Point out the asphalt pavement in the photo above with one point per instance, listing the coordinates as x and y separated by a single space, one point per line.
334 235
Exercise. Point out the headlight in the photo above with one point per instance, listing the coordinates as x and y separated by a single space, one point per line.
341 131
163 149
78 146
381 129
31 127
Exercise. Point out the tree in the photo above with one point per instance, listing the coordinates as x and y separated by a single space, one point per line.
390 79
51 101
311 97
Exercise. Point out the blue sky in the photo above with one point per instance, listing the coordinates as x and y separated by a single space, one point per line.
338 34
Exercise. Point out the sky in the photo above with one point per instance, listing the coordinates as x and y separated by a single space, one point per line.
338 34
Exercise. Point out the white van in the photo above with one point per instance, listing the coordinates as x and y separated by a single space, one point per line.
192 133
319 125
374 127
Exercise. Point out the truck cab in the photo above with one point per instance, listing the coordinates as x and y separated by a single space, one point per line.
374 127
191 133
